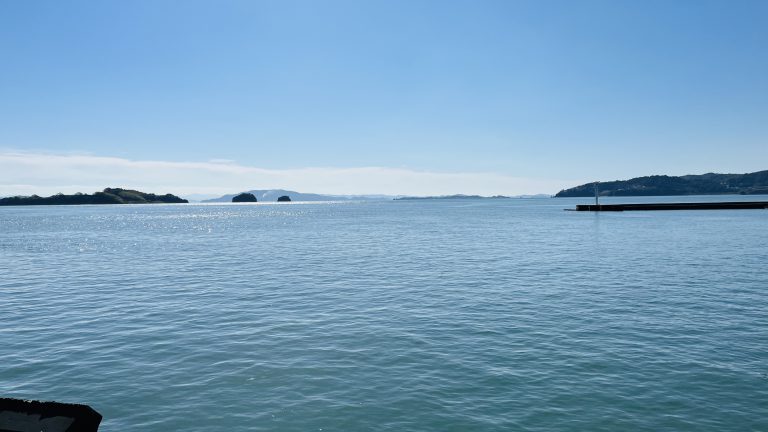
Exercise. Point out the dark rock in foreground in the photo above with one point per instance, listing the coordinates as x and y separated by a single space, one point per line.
661 185
284 198
107 196
18 415
244 197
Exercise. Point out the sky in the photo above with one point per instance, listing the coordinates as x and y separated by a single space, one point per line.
377 97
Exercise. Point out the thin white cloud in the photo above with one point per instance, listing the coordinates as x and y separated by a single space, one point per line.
23 173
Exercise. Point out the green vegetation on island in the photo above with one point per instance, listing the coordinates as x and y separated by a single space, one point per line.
660 185
107 196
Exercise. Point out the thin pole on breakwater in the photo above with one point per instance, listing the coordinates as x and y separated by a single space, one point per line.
597 194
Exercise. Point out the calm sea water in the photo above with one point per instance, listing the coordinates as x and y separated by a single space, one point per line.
389 316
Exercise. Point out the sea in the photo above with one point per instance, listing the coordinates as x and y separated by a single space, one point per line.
438 315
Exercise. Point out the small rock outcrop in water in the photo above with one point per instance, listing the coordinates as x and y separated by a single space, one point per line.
26 415
267 195
284 198
107 196
244 197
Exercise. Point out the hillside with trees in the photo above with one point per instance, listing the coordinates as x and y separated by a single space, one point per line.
659 185
107 196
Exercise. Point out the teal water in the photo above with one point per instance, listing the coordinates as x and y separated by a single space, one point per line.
490 315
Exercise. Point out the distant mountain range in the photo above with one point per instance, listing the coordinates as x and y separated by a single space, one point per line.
460 196
271 195
659 185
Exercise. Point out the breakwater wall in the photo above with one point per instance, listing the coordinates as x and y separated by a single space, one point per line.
675 206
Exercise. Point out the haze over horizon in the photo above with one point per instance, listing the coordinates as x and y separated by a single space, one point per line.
400 98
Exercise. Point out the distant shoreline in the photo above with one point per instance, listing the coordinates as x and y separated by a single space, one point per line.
107 196
460 196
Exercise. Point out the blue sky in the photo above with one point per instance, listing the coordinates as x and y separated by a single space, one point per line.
539 94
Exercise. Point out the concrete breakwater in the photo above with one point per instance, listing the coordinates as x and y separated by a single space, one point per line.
675 206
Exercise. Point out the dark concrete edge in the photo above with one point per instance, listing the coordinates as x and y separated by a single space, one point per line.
86 419
732 205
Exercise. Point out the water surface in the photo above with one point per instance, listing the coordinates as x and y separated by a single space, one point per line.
482 315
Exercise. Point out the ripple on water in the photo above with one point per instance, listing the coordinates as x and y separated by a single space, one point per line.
490 315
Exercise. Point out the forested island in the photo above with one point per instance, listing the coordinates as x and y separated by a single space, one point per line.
107 196
244 197
659 185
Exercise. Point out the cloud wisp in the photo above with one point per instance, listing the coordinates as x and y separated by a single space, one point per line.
23 173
